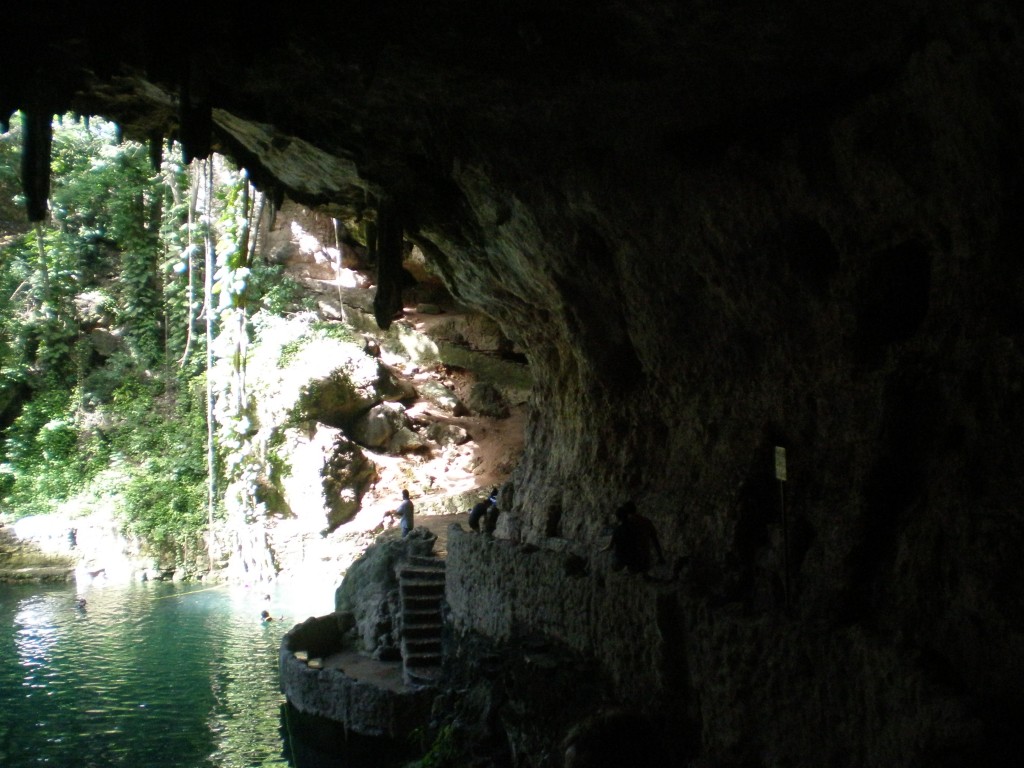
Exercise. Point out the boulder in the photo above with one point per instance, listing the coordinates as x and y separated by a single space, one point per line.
347 475
485 399
442 397
444 433
377 426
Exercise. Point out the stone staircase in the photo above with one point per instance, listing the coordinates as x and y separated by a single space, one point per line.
421 587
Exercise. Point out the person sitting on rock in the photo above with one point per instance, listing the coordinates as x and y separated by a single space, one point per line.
633 538
480 509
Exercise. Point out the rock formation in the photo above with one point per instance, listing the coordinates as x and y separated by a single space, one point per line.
715 230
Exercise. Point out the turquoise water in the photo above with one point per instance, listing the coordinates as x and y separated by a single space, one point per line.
147 675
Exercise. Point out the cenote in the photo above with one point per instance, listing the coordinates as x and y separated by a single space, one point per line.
152 674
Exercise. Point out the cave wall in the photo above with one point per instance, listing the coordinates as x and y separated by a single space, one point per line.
714 230
840 280
844 285
741 689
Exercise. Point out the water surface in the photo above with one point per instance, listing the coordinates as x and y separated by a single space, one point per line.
155 674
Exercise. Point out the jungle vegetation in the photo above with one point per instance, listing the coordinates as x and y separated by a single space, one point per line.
125 320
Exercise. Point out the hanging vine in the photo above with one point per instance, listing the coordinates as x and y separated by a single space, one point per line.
244 460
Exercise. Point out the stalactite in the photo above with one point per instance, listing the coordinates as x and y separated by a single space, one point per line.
195 117
37 138
390 275
276 196
156 150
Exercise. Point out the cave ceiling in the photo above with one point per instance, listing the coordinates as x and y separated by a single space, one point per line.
713 226
331 103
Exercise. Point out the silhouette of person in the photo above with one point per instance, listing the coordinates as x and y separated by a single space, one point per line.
633 538
480 509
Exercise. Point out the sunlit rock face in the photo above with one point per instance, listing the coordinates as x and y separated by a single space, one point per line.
714 231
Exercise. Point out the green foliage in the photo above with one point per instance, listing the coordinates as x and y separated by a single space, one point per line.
444 752
104 406
163 502
103 196
158 443
274 291
87 412
12 210
47 455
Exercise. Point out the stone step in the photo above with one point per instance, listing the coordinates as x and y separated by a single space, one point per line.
423 674
421 570
422 588
431 580
426 562
421 599
422 610
415 588
418 631
422 619
423 660
416 647
419 590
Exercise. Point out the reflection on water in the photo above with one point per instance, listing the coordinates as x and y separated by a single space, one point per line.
143 675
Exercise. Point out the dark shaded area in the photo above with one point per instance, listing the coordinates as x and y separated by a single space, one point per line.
615 739
809 249
895 491
310 741
893 298
37 137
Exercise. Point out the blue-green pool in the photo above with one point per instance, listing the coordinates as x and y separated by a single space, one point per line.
148 675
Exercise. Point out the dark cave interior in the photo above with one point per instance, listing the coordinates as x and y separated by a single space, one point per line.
715 229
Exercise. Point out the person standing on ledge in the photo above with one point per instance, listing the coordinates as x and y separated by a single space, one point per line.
481 508
632 541
404 512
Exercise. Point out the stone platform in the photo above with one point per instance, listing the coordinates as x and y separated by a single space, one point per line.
367 696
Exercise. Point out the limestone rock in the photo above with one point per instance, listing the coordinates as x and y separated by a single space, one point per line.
378 425
444 434
369 590
341 394
302 481
485 399
405 441
346 476
325 477
442 397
